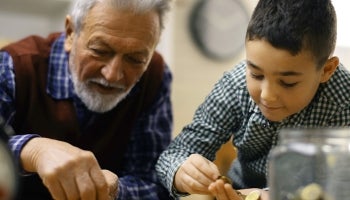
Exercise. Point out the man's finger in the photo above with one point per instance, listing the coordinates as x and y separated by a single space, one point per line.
102 191
86 186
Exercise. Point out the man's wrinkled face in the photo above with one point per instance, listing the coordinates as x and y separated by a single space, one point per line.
279 83
110 54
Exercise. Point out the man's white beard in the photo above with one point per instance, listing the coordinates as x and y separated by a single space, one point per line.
94 100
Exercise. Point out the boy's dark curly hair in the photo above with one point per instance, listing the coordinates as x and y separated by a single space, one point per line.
296 25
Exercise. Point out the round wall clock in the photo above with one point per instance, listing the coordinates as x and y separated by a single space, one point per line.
218 27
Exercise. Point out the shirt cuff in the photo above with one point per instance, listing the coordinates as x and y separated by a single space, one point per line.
177 193
16 144
172 172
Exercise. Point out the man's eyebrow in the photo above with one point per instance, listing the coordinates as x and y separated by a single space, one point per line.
98 42
286 73
103 43
141 52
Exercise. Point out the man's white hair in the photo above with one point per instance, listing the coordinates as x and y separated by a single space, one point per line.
80 8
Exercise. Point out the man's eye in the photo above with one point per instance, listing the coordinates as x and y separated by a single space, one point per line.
135 60
288 85
99 52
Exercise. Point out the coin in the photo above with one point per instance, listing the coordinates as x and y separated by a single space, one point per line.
312 191
225 179
253 195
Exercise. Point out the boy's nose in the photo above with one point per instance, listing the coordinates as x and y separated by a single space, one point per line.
268 92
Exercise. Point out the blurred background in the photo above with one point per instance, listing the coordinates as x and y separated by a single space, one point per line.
197 50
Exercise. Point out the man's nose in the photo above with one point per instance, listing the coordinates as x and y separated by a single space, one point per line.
113 70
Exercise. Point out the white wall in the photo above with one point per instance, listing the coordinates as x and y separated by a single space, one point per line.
343 40
20 18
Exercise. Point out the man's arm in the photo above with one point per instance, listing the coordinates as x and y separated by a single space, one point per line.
151 136
34 154
7 97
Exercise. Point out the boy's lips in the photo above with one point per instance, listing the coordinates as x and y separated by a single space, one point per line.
270 107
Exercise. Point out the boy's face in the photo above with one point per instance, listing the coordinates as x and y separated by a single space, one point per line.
279 83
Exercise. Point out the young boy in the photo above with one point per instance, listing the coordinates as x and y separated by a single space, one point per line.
289 79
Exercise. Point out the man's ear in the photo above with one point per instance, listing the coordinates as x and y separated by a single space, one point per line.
329 68
69 28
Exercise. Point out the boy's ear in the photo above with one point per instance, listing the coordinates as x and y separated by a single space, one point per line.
329 68
69 30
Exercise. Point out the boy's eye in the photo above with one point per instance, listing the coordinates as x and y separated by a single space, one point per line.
257 76
288 85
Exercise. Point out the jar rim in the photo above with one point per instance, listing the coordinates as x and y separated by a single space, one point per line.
290 133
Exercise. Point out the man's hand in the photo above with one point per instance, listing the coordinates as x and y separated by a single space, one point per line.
112 182
67 171
195 175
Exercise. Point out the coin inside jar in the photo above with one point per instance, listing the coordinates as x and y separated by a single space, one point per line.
225 179
312 191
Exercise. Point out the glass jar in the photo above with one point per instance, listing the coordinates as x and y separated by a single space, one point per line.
310 164
8 169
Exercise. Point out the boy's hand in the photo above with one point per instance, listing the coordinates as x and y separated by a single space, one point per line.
195 175
224 191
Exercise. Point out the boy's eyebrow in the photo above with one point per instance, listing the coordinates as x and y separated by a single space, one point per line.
290 73
286 73
253 65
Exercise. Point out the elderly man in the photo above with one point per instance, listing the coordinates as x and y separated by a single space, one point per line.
91 106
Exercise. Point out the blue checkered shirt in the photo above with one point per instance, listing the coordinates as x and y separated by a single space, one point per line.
229 112
150 137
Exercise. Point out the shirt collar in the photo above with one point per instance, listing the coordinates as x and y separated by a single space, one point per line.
253 107
59 83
